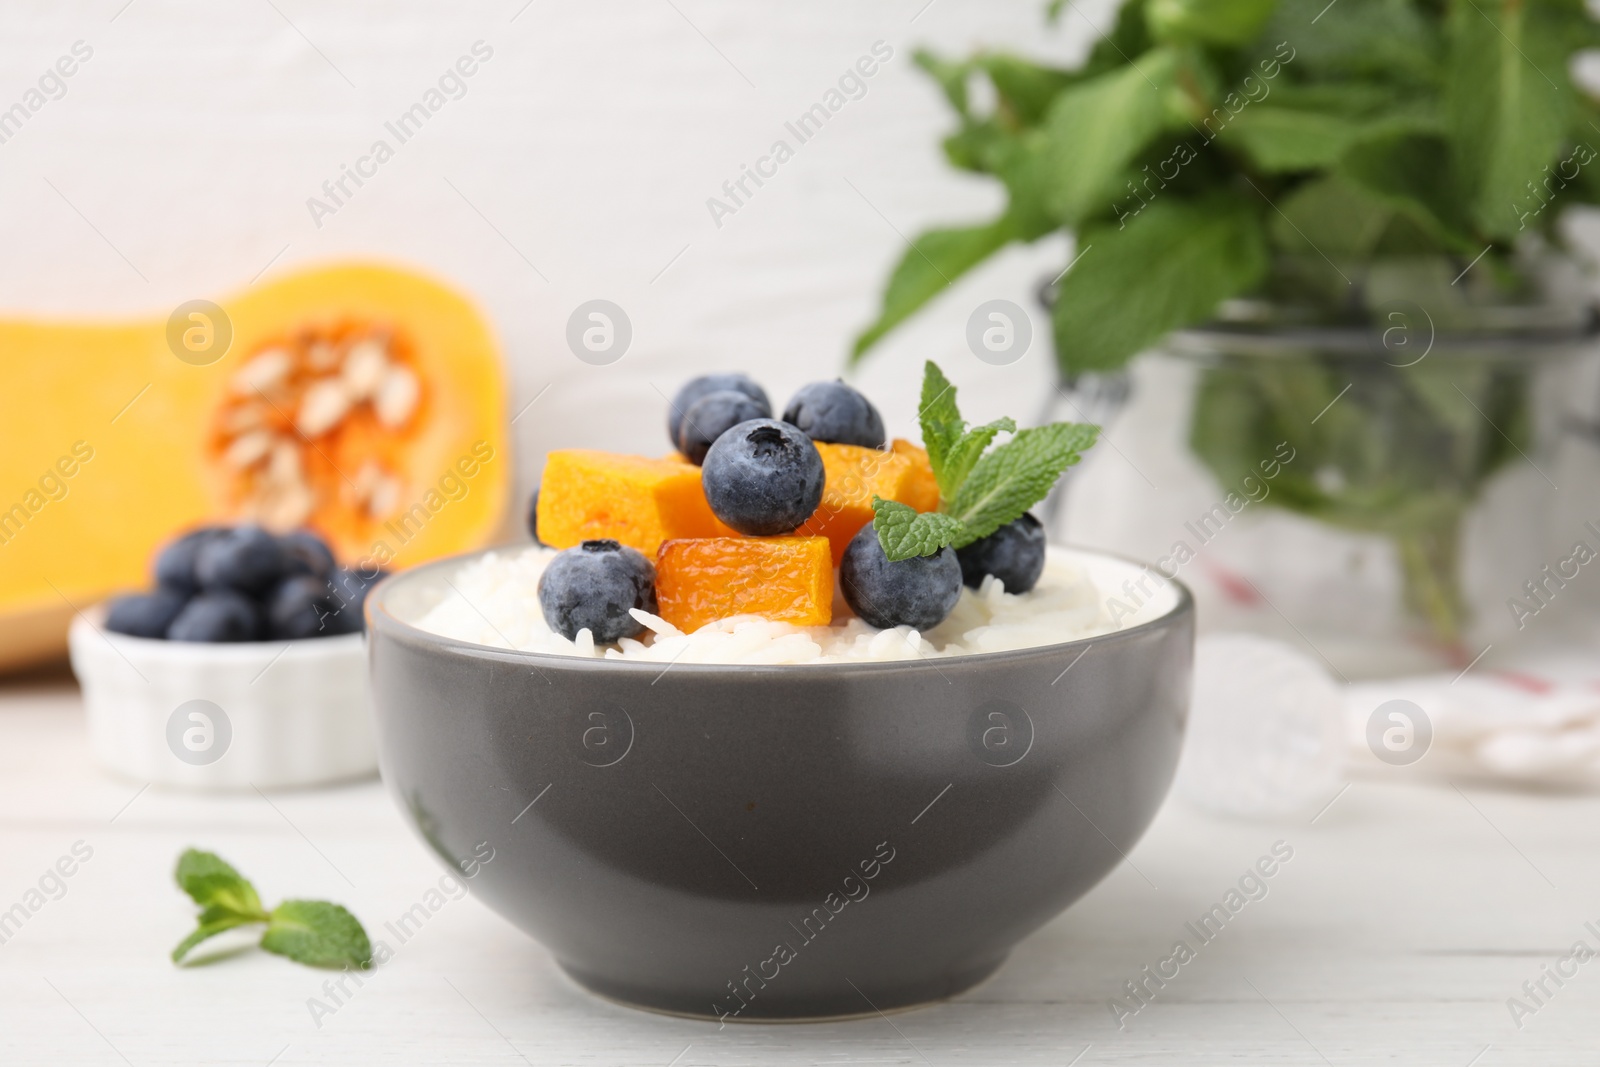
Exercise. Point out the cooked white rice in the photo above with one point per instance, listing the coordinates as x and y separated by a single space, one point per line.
494 600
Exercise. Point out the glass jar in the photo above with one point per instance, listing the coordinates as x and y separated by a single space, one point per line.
1392 502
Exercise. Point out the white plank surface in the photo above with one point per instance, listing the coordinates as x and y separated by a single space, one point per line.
1405 919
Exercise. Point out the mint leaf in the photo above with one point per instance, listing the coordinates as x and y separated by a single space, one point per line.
951 74
905 532
1129 37
309 931
1508 98
1280 139
317 933
1364 47
1410 173
1171 266
952 448
1096 127
1024 90
935 259
216 886
941 420
208 930
1333 215
964 454
1015 476
1208 21
979 491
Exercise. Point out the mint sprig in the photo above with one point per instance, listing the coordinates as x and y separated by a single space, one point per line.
903 531
312 932
1014 476
980 488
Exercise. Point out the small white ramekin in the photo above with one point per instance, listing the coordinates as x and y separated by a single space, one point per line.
268 715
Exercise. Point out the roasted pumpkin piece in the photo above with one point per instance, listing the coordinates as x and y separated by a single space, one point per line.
922 488
587 495
786 579
855 475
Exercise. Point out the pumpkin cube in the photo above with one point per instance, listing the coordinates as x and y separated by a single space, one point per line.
855 476
587 495
923 488
785 579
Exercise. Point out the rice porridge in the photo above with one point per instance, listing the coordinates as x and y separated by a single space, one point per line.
494 600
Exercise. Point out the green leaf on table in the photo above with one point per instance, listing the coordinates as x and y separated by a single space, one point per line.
1014 476
904 532
935 259
1170 266
209 929
318 934
1094 130
1508 98
214 885
310 931
1226 22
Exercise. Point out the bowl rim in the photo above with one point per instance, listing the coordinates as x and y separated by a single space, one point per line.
157 650
380 619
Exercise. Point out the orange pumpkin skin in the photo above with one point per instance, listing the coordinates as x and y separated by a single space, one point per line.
922 491
854 476
785 579
139 429
587 495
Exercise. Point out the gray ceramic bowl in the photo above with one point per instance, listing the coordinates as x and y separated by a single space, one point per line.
780 842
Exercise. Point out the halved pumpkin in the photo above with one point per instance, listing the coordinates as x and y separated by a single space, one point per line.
365 401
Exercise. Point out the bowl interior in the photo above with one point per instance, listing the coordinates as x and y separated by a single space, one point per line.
1136 592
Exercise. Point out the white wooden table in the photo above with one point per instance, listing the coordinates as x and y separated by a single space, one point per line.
1396 934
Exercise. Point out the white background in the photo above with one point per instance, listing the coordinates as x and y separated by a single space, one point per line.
180 160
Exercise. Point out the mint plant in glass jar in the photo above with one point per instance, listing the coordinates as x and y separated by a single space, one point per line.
1340 231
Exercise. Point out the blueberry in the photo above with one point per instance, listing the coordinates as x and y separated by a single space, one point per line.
533 518
307 554
696 388
832 411
593 586
1014 554
145 614
246 558
302 605
350 587
175 564
713 415
763 477
917 592
220 615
